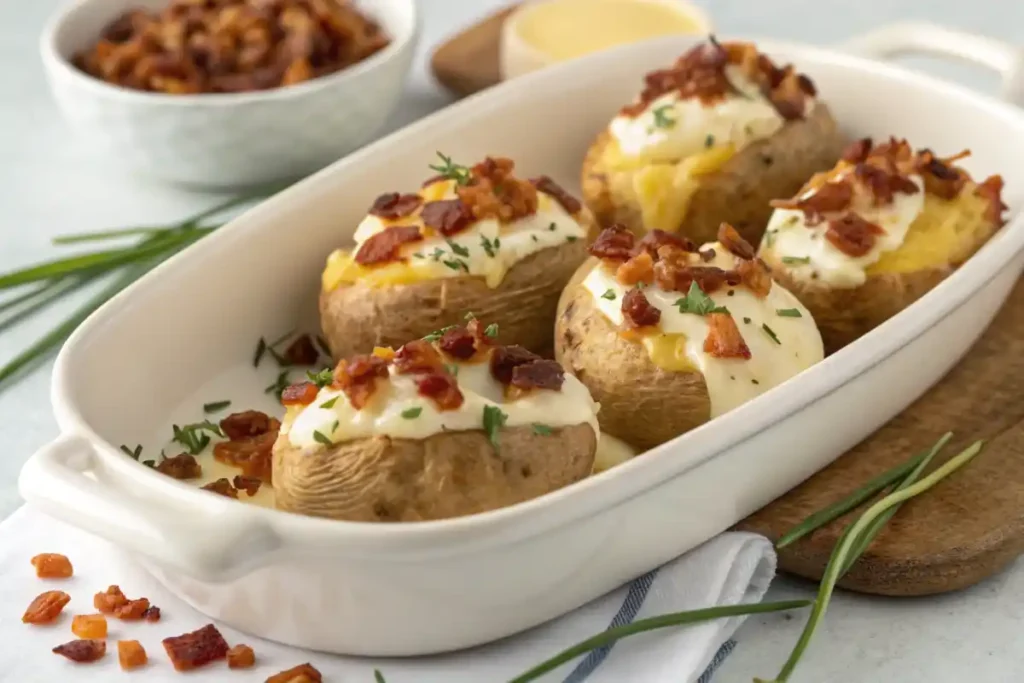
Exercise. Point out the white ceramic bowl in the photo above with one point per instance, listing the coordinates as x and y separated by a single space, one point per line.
400 589
227 140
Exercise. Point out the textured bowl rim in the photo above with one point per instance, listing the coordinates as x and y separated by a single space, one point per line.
59 63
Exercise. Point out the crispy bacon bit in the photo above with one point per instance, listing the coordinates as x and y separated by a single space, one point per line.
301 394
676 275
241 657
447 216
133 610
638 311
181 466
357 377
442 389
755 276
52 566
109 600
458 342
707 255
852 235
883 183
252 455
493 192
303 673
302 351
418 355
151 614
199 648
245 424
46 607
505 359
550 187
857 151
653 242
251 485
131 654
538 374
940 179
992 190
221 487
724 339
639 268
614 243
82 651
829 197
89 626
392 205
384 246
732 241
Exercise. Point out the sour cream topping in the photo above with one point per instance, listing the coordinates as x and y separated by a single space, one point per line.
672 128
488 248
730 381
807 255
397 409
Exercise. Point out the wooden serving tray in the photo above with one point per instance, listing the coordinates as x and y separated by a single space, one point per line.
468 62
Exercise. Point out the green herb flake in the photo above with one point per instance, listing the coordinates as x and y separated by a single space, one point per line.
437 334
195 437
328 404
261 348
697 302
497 243
149 463
418 254
662 118
789 313
541 429
791 260
378 677
487 245
322 438
771 333
609 294
412 413
534 238
552 227
709 142
452 369
279 385
571 238
321 378
449 170
491 330
438 253
457 248
216 406
769 238
132 453
456 264
494 419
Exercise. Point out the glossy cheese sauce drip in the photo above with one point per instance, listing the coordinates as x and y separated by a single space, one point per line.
807 255
672 128
487 248
730 381
391 409
564 29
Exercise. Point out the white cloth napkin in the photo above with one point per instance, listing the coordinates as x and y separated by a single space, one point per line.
730 569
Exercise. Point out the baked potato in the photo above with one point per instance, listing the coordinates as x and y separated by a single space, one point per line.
710 140
667 336
442 428
471 239
863 241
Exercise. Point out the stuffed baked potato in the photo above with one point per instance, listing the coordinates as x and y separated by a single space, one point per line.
666 336
863 241
710 140
438 429
471 239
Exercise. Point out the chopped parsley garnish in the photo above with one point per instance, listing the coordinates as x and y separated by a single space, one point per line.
497 243
490 247
494 419
437 334
769 238
457 264
418 255
796 259
534 238
328 404
609 294
378 677
452 369
746 320
279 385
491 330
696 301
552 227
457 248
196 437
261 348
709 141
438 253
334 427
450 170
322 438
322 378
771 333
541 429
789 313
754 381
132 453
661 117
571 238
412 413
215 406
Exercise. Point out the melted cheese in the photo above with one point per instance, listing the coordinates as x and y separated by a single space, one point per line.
679 344
487 248
807 255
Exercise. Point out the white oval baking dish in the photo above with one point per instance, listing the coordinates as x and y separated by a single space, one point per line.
184 335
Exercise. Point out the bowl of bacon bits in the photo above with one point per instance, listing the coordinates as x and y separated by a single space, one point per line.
227 93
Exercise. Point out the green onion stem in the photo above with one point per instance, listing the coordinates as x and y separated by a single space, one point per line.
18 300
674 619
106 235
851 538
45 296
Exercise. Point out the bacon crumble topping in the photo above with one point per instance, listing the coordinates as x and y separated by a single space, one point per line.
441 388
221 487
181 466
251 437
82 651
538 374
301 351
357 377
505 359
384 246
549 187
392 205
615 243
638 311
303 673
417 356
301 394
198 648
52 566
447 216
46 607
724 339
852 235
493 192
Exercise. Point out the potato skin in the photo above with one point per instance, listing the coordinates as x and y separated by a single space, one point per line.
738 193
356 317
380 479
641 403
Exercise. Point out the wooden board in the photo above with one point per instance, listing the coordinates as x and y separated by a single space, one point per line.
967 527
468 62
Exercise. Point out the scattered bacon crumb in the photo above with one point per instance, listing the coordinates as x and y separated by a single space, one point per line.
133 610
505 359
46 607
301 394
82 651
198 648
992 190
109 600
940 178
221 487
52 566
418 355
614 243
447 216
241 657
181 466
756 277
357 377
493 192
828 197
89 626
882 184
458 342
638 311
677 276
655 240
639 268
557 192
442 389
131 654
251 485
302 351
734 243
539 374
303 673
852 235
392 205
857 151
384 246
245 424
724 339
251 454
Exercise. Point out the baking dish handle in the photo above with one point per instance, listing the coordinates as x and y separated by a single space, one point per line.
924 38
60 479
